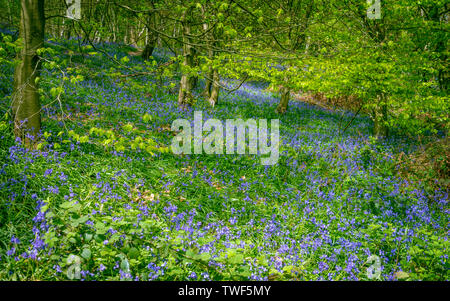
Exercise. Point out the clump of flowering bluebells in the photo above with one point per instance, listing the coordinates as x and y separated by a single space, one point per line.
77 209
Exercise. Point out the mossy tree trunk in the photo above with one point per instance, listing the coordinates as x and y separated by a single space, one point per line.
380 118
194 79
25 101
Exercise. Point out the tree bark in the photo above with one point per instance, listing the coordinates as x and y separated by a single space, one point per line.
214 97
25 101
194 79
68 29
380 118
151 37
208 84
185 92
10 21
285 94
210 74
149 48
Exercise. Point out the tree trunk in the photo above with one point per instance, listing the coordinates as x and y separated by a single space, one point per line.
151 37
209 77
194 78
148 50
208 84
285 94
10 21
68 28
210 74
185 92
214 97
25 101
380 118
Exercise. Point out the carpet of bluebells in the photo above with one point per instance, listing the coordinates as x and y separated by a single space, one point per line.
81 209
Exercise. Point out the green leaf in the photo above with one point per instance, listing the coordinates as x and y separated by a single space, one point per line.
67 205
401 275
86 254
205 256
101 229
125 265
88 237
133 253
146 118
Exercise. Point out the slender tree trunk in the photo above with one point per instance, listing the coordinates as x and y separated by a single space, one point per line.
150 46
380 118
208 84
151 37
210 74
10 21
194 79
301 42
68 28
285 94
58 28
133 37
214 97
212 87
185 92
25 101
146 36
113 37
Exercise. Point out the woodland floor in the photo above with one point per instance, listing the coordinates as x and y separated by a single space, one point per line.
332 201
